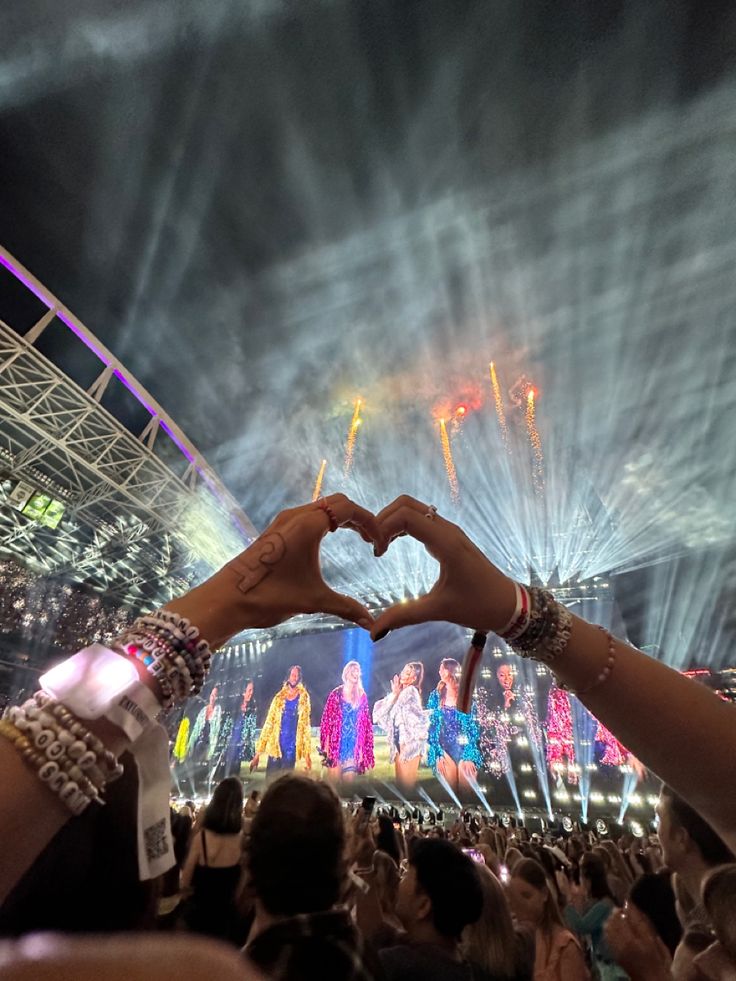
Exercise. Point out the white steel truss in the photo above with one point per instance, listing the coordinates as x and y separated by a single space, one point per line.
132 527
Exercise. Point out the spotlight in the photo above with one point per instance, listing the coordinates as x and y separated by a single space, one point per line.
461 410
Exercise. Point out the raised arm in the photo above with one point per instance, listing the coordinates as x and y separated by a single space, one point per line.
277 577
677 727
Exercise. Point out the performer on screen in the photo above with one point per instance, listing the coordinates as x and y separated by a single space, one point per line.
286 735
205 731
452 749
237 742
346 731
401 716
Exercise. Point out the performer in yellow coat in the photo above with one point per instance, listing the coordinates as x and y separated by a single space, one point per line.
286 734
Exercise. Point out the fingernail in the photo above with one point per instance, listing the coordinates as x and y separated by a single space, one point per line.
381 634
365 623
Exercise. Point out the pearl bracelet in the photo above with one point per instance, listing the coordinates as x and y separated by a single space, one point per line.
605 674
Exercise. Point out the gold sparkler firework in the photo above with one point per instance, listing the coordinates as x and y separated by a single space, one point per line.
318 483
499 405
350 445
449 463
536 443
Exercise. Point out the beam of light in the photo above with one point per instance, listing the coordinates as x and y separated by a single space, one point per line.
480 795
316 493
355 424
425 796
630 782
449 463
535 443
448 789
498 402
396 793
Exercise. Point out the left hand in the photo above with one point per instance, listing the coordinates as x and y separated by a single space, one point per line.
279 575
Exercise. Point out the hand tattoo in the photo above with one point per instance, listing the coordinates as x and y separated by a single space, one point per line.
257 562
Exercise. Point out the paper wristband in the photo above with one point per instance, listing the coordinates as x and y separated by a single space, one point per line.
97 682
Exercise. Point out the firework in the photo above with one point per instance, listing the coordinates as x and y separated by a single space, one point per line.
499 405
318 483
352 432
449 463
536 443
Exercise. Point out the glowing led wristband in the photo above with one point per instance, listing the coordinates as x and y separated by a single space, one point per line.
97 682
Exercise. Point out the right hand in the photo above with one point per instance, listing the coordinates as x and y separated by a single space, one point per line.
254 762
469 591
395 685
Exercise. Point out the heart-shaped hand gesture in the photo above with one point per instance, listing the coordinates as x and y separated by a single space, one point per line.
279 576
470 590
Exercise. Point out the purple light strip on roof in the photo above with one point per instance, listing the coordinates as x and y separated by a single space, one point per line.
26 282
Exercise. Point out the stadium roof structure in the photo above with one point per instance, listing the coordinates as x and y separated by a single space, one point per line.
137 515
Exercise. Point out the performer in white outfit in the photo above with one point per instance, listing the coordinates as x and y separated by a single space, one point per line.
401 716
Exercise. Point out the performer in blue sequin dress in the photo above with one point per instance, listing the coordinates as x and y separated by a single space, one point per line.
452 747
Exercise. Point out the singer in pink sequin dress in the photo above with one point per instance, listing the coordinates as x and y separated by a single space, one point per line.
346 730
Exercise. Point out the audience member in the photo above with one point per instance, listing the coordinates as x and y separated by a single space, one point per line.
487 943
297 865
558 954
439 896
214 865
592 904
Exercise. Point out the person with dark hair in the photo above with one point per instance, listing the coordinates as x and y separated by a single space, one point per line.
206 730
286 734
653 895
298 872
558 954
690 850
237 744
213 866
387 839
401 716
452 746
439 896
592 904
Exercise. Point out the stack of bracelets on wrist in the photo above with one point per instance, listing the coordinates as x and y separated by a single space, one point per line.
169 647
540 628
68 758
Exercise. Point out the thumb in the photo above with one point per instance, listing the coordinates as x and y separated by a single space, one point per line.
346 607
403 614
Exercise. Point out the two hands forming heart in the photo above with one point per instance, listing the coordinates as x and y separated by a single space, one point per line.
279 575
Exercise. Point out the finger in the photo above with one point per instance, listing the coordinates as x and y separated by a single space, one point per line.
339 605
398 505
352 515
431 531
403 614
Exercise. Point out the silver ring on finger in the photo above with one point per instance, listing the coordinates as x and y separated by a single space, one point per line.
431 513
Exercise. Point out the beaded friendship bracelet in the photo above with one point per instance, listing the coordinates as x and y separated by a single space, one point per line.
67 757
540 628
168 645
